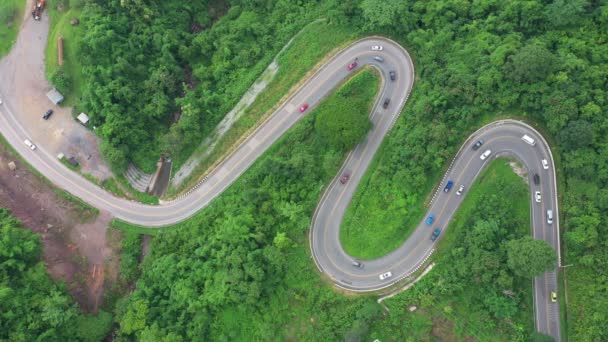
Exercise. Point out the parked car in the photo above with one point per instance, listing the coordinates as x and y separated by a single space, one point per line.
352 65
553 296
460 190
385 275
379 59
29 144
435 234
536 179
430 219
377 48
477 145
392 75
303 107
344 178
537 196
448 186
485 155
545 164
48 114
386 103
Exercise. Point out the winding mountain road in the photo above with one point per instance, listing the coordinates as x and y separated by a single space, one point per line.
503 138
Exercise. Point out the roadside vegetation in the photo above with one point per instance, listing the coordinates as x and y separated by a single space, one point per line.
307 49
256 280
472 292
540 62
546 63
250 245
11 16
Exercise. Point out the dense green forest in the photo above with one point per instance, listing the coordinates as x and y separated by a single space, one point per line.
159 75
32 306
241 269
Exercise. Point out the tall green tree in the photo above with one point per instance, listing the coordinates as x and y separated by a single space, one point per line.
528 257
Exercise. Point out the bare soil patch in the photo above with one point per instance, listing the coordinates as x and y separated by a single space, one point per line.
519 170
74 240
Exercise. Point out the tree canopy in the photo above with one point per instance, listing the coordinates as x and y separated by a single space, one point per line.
529 258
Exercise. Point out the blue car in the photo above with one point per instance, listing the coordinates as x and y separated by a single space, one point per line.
448 186
430 219
435 234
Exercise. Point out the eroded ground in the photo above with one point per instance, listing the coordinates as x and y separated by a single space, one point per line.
74 238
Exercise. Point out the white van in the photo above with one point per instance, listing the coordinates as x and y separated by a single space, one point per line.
549 216
528 140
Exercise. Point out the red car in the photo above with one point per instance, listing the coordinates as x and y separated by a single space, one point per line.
303 107
352 65
344 178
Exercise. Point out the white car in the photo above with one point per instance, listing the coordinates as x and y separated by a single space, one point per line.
545 164
377 48
460 190
485 155
0 101
537 196
385 275
29 144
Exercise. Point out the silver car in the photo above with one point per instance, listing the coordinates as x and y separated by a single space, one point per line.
385 275
537 196
460 190
545 164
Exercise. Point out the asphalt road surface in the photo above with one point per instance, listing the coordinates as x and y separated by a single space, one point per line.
502 138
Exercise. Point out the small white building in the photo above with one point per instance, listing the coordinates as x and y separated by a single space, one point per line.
83 118
55 96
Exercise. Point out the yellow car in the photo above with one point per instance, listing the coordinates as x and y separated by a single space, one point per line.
553 296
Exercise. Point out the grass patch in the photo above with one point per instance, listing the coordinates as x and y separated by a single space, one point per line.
129 228
307 50
133 193
72 81
369 234
121 188
111 185
11 15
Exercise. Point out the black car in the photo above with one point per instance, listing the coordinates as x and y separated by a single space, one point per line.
477 145
386 102
48 114
536 179
392 75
